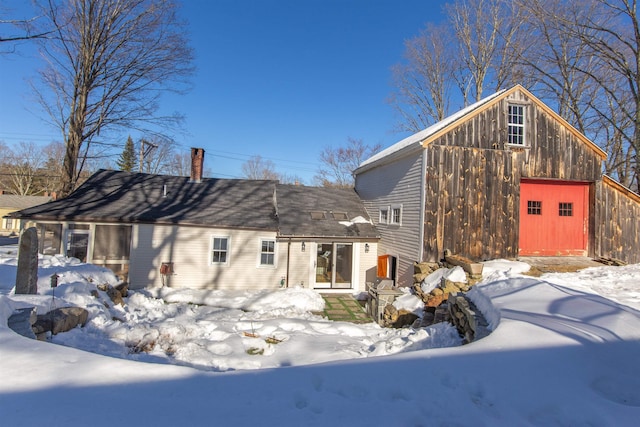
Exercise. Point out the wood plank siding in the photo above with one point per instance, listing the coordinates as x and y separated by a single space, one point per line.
396 184
471 203
617 220
473 178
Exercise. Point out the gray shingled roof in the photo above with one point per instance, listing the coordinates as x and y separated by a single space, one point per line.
124 197
297 203
14 201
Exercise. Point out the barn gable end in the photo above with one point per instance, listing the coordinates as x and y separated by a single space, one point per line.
475 164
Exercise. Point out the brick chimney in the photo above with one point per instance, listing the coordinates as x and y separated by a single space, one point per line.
197 162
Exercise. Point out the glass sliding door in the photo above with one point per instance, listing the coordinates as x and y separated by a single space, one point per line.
334 266
324 265
77 244
343 266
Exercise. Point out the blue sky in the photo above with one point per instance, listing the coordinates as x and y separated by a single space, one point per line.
281 79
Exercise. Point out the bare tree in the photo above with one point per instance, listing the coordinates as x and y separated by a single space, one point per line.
23 167
159 160
338 164
614 39
16 30
551 56
423 83
52 168
484 30
258 168
476 47
180 164
109 61
287 178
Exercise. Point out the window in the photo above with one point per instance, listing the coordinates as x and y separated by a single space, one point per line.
49 239
396 215
340 216
534 207
515 134
565 209
9 224
220 250
317 215
384 216
267 252
112 242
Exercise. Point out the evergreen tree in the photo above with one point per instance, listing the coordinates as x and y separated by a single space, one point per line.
127 161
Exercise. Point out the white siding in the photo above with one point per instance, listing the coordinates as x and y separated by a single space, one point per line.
189 248
299 263
301 268
396 184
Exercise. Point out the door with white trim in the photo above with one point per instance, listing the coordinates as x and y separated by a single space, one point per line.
333 265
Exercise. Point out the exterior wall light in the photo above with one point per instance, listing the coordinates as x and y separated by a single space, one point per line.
366 248
304 247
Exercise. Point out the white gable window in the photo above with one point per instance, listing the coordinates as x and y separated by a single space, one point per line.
220 250
396 215
384 215
267 252
515 133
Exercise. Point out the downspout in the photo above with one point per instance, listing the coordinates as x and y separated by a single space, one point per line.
423 200
288 262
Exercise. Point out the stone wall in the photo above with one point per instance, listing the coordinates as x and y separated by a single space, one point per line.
448 303
467 319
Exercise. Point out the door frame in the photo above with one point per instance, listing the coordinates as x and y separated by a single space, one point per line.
586 209
331 286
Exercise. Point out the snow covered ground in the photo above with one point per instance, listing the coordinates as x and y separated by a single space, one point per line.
563 352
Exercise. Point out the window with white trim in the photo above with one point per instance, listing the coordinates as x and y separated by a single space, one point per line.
220 250
267 252
515 121
384 216
396 215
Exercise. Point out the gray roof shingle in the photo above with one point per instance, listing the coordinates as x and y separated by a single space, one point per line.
13 201
124 197
297 203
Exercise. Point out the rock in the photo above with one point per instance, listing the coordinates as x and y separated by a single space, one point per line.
425 267
27 271
449 287
389 315
405 318
394 318
22 320
435 300
60 320
123 288
114 294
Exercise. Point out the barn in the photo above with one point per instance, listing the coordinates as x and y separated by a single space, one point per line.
503 178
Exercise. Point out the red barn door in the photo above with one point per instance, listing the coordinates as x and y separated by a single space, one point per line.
554 218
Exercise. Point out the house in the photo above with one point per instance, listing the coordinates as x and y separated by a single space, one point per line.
502 178
10 203
205 233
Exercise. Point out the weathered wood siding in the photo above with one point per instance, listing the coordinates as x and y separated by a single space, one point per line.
397 183
473 178
189 248
471 204
617 223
